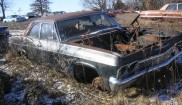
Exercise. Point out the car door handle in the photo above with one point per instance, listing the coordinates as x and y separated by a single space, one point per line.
39 45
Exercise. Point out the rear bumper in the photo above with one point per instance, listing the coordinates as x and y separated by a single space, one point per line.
115 83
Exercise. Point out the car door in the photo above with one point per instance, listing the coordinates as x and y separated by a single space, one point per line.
180 7
171 11
179 11
49 44
32 42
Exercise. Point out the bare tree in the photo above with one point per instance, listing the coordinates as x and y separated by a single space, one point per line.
103 4
134 3
118 4
4 5
40 6
97 4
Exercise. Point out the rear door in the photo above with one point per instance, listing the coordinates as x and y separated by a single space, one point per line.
49 43
180 7
173 11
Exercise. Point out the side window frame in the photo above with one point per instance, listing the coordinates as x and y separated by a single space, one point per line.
53 31
57 32
32 28
178 6
172 5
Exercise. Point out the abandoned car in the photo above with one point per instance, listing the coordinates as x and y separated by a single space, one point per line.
171 11
93 48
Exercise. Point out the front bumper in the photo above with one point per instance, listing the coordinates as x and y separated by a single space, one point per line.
116 83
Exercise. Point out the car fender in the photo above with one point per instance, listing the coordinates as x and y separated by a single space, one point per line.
80 62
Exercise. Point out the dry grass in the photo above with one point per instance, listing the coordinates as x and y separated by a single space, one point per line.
126 19
40 80
16 25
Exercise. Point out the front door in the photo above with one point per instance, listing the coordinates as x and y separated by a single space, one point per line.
32 41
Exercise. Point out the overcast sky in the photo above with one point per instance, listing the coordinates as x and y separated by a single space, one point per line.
23 6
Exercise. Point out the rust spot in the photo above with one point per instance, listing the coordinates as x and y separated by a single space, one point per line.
97 83
86 41
148 40
125 47
151 38
163 14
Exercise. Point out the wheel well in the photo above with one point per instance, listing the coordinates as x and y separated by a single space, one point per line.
22 52
84 74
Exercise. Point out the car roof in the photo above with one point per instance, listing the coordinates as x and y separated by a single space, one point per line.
175 3
59 17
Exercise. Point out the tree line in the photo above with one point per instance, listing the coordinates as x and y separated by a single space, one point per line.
126 4
38 6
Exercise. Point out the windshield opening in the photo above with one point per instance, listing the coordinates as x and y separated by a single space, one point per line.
79 26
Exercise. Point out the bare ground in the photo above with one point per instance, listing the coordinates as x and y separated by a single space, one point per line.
39 85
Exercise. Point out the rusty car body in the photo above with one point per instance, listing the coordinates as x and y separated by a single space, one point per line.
168 11
90 45
110 12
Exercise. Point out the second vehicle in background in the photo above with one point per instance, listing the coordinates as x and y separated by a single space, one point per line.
110 12
172 11
14 18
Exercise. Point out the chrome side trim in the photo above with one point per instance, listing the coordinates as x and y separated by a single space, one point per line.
89 54
114 83
179 59
156 56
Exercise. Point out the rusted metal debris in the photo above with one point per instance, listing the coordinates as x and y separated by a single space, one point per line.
151 38
97 83
125 47
147 40
134 29
165 13
86 40
142 41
